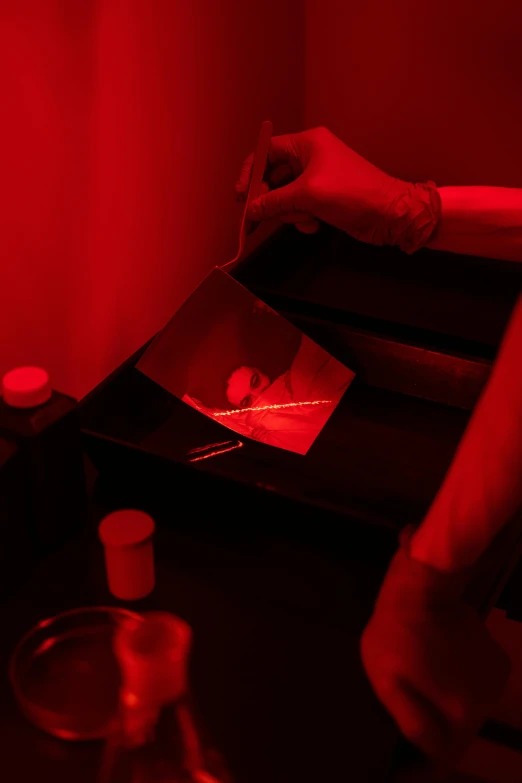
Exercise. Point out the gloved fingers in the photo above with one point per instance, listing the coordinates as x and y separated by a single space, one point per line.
280 202
279 176
417 717
274 179
458 692
284 149
255 225
303 221
243 182
442 731
284 164
466 688
241 197
296 217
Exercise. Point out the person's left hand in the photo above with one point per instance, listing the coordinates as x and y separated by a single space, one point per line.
430 658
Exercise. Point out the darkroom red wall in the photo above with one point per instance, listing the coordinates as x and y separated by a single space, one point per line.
422 89
124 124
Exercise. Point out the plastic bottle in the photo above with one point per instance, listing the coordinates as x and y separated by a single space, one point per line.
44 425
155 737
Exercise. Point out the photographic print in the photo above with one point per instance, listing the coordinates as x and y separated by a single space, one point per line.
234 359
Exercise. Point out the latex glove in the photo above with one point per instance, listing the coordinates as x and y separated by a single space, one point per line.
313 175
430 659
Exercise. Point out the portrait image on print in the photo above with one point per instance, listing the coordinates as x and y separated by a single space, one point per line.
234 359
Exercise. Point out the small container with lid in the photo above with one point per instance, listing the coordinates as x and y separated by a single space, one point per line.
44 425
127 537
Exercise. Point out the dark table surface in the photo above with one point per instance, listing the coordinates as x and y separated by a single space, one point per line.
275 665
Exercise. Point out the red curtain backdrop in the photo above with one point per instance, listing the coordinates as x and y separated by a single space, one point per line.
124 124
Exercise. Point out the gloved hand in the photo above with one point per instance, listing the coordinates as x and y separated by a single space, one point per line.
314 176
431 660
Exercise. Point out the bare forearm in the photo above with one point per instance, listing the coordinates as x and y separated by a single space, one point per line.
483 487
481 221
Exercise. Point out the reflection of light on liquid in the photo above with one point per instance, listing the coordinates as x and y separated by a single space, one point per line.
218 448
273 407
46 645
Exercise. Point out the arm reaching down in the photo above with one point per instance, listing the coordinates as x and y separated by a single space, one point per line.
483 487
429 656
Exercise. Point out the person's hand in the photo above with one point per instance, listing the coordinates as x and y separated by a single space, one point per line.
430 658
313 176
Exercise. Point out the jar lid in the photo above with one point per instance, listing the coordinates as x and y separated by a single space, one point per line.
126 528
26 387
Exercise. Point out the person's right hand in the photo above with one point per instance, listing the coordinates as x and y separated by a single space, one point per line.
430 658
313 175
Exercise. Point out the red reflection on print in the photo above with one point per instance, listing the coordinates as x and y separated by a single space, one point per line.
234 359
217 449
274 407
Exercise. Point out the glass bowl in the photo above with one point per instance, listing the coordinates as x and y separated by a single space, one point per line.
64 673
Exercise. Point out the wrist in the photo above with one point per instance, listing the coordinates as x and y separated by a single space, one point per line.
421 551
409 581
480 220
436 553
413 215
